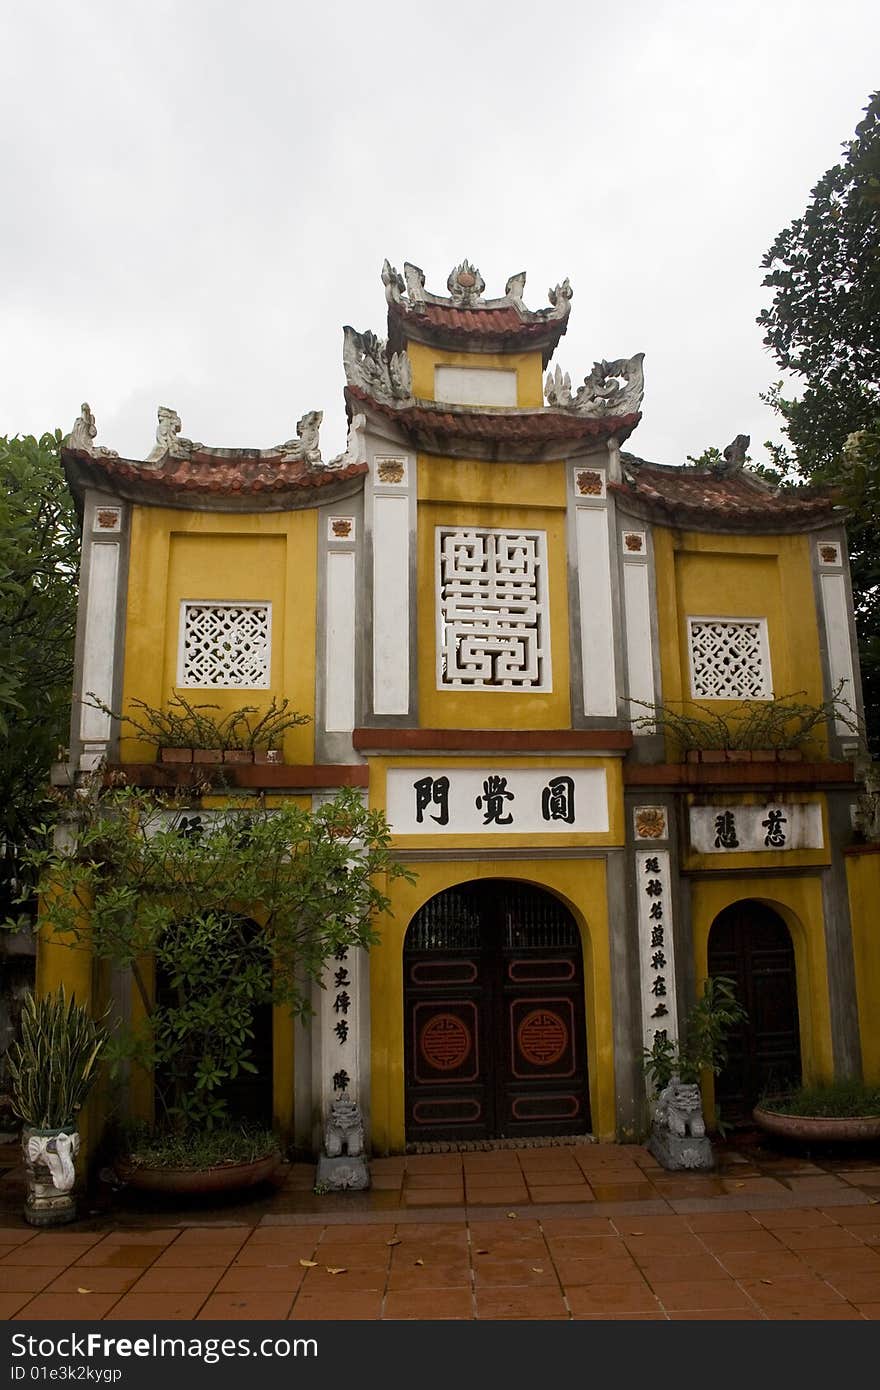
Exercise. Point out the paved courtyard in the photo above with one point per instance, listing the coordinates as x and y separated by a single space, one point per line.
563 1232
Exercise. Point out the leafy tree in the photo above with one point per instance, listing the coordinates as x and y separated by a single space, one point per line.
39 563
823 326
235 913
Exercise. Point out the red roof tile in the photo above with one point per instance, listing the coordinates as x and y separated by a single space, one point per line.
483 329
696 495
230 474
431 424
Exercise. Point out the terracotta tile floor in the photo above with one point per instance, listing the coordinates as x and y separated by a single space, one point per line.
584 1231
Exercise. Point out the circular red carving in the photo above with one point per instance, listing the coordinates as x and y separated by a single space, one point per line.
445 1042
542 1037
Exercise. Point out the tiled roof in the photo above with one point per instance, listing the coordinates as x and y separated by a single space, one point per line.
736 499
438 429
222 474
482 329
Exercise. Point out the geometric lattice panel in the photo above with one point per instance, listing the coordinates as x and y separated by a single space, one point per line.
493 629
729 659
225 645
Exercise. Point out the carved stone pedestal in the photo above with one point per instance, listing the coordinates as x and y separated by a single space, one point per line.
674 1152
343 1174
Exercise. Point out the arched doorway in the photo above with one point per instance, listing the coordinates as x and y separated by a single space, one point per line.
495 1039
751 944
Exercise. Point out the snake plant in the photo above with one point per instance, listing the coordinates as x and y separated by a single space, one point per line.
53 1066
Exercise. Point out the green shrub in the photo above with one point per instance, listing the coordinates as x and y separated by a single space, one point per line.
210 1148
835 1099
186 725
53 1067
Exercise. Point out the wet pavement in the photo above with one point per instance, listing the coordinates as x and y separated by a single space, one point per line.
561 1232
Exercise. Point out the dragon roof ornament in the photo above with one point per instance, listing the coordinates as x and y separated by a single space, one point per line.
466 286
612 388
82 436
384 375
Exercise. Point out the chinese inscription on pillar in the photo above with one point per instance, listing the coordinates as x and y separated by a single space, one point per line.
340 1040
656 947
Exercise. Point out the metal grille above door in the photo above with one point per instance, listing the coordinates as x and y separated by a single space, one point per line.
495 1038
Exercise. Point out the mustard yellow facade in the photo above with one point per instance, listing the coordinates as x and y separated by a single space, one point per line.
475 606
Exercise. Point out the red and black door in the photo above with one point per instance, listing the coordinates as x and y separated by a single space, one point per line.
495 1040
750 943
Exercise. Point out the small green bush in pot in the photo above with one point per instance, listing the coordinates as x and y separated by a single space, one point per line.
52 1069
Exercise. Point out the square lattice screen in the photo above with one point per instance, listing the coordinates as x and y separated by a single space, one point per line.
729 659
225 645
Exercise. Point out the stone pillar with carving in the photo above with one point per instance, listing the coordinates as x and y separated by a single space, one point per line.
341 1051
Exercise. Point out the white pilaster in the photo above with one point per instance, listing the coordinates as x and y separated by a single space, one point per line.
594 591
639 628
99 647
339 642
392 479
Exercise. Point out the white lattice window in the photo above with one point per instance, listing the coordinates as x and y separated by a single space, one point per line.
225 645
492 623
730 659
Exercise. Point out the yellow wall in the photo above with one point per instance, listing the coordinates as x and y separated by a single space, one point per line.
490 709
178 555
581 885
863 880
700 575
799 903
527 365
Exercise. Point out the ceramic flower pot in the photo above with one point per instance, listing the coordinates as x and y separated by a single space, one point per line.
223 1177
49 1156
818 1129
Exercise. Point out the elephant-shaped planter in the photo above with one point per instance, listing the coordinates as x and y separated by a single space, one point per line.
49 1157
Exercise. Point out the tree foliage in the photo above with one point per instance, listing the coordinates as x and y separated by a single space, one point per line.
39 562
823 326
235 910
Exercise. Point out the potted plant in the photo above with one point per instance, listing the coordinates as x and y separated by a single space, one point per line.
52 1069
185 732
215 916
827 1113
776 730
675 1070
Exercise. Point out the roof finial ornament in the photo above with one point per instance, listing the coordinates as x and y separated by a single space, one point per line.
393 282
515 286
733 457
465 284
560 298
305 446
370 367
612 388
415 285
355 453
83 433
169 440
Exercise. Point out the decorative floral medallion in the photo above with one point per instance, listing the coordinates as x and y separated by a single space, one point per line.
650 822
589 483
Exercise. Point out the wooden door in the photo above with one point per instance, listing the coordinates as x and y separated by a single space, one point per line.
495 1042
751 944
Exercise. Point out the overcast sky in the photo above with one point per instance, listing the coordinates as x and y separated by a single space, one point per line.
197 195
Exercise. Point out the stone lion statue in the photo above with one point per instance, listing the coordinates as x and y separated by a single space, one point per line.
344 1129
679 1109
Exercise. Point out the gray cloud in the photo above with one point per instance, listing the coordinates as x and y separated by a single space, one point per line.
198 195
